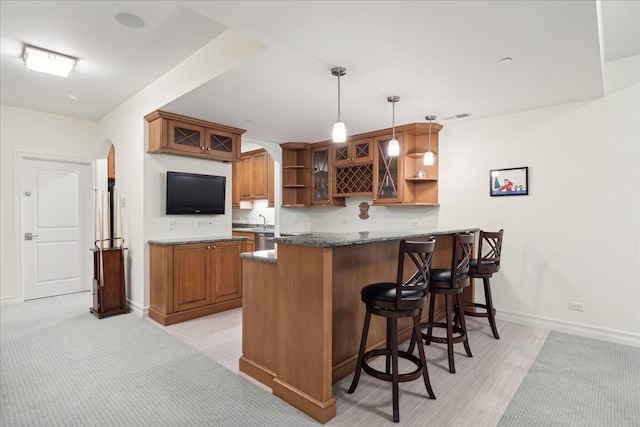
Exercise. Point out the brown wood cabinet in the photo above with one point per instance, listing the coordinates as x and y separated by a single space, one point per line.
254 171
296 174
195 279
271 195
363 168
253 178
322 177
396 180
177 134
356 151
387 171
235 185
250 243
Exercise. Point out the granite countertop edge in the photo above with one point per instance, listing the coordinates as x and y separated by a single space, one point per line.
187 240
362 237
265 256
253 230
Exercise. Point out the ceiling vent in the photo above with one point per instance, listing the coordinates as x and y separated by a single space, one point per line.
457 116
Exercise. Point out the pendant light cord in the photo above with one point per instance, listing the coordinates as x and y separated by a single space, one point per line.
338 97
393 119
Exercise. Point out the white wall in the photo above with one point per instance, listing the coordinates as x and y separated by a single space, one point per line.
33 132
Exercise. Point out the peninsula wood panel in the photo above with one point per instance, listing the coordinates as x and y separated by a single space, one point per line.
259 341
304 321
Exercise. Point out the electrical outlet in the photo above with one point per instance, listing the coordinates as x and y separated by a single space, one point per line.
413 224
172 224
576 306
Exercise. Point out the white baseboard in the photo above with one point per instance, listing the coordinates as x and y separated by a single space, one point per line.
574 328
8 301
138 309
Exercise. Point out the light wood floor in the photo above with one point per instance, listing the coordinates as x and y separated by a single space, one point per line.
476 395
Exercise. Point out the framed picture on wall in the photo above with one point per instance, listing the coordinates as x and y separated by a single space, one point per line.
509 182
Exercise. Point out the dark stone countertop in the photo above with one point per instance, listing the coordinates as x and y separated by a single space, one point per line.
362 237
187 240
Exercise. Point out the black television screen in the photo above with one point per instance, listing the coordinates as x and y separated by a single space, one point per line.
195 194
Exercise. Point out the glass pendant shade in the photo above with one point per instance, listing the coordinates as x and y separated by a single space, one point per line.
394 148
428 159
339 132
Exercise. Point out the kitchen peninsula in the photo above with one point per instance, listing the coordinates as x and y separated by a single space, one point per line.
302 313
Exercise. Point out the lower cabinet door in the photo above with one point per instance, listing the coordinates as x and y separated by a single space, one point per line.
192 276
225 271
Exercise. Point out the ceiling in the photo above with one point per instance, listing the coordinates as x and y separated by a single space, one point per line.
440 57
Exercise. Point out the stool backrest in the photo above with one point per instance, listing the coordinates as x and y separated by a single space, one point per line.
420 253
461 258
489 249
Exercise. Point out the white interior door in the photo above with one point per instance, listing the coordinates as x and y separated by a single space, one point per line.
56 217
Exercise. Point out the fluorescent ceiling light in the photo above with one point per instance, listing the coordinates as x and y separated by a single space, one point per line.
48 62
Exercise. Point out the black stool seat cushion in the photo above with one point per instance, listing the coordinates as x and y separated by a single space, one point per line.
441 278
387 292
487 266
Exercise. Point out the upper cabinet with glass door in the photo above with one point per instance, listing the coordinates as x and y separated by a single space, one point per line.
176 134
321 178
353 152
387 172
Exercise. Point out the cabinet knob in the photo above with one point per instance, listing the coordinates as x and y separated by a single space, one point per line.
208 148
208 247
202 148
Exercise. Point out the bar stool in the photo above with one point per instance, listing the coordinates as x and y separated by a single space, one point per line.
451 283
395 300
483 267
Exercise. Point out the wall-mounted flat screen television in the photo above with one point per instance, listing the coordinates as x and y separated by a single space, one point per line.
195 194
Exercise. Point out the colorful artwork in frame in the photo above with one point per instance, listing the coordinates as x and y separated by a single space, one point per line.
509 182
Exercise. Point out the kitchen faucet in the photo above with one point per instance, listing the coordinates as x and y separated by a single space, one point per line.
264 220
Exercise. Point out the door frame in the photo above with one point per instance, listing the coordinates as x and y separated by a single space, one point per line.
18 162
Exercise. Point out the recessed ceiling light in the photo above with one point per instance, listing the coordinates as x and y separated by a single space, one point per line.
506 60
129 20
72 98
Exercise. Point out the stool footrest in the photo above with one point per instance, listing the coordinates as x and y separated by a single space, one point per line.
409 376
477 313
461 334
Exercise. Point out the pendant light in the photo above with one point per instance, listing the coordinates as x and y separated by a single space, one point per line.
394 147
429 157
339 131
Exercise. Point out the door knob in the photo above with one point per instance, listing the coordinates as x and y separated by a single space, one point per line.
29 236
